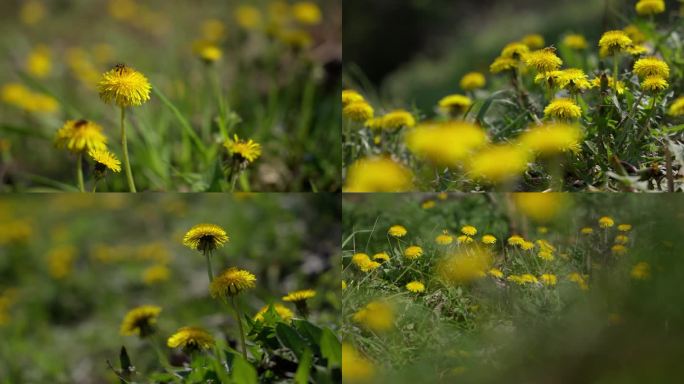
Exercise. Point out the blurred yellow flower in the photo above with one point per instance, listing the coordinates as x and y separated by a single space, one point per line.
428 204
355 367
618 249
464 239
140 321
344 285
634 33
564 109
545 255
498 163
413 252
614 42
472 80
587 231
621 239
364 263
455 105
579 279
677 107
377 316
575 41
495 272
358 111
548 279
297 296
515 240
205 237
641 271
306 12
191 339
415 287
80 136
464 266
488 239
469 230
606 222
32 12
552 138
650 7
543 60
444 238
243 150
61 261
213 30
210 53
514 51
501 64
350 96
156 274
527 245
124 86
610 83
248 17
534 41
397 231
284 312
378 174
231 282
446 143
397 119
39 62
19 96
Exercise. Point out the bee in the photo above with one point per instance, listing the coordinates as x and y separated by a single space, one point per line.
550 49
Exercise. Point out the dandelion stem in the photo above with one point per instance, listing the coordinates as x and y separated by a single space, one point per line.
124 145
239 321
615 73
95 184
79 172
210 270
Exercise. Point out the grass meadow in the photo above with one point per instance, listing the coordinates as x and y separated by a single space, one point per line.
234 95
527 288
98 289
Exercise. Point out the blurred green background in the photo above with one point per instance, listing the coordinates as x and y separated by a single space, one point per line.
621 330
416 51
72 266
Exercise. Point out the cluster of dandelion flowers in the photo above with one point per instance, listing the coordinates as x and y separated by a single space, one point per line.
231 282
472 81
282 311
543 60
191 339
445 143
140 321
650 7
104 160
243 150
614 42
553 138
80 136
378 174
124 86
455 105
397 231
364 262
205 237
564 109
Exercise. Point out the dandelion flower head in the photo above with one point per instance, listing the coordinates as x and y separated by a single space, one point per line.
80 135
575 41
564 109
606 222
469 230
444 238
534 41
614 42
654 84
397 231
284 312
355 367
415 287
245 150
472 80
231 282
302 295
455 104
358 111
549 139
104 160
543 60
124 86
140 321
651 66
350 96
205 237
445 143
650 7
191 338
488 239
397 119
641 271
376 316
677 107
413 252
381 257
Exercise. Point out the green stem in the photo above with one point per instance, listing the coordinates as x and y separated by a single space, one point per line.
239 321
615 73
210 270
95 184
124 145
79 172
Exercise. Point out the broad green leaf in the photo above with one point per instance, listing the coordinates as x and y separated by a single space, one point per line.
302 374
243 371
331 349
289 338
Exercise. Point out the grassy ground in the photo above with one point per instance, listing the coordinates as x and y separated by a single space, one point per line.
276 82
72 267
595 308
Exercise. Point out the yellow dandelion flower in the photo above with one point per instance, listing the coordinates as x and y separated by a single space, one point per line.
543 60
621 239
549 139
654 84
614 42
80 136
358 111
650 7
488 239
472 80
624 227
413 252
444 238
587 231
350 96
502 64
210 53
651 66
447 143
528 278
306 12
618 249
32 12
464 266
428 204
378 174
205 237
637 50
641 271
515 240
548 279
124 86
469 230
455 104
301 295
397 231
574 80
634 33
515 279
156 274
248 17
515 50
550 78
231 282
39 62
397 119
534 41
104 160
575 41
527 245
284 312
244 150
545 255
495 272
381 256
140 321
606 222
344 285
610 83
579 279
364 263
542 230
355 367
61 261
565 109
498 163
442 196
545 245
376 316
464 239
415 287
677 107
190 339
213 30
